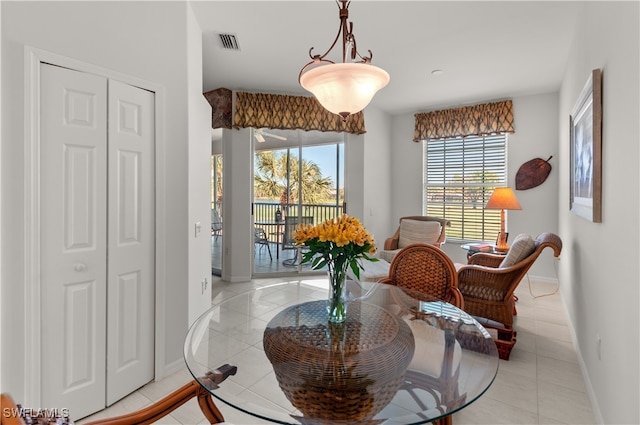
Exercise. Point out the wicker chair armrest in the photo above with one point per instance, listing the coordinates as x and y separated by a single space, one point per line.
485 259
456 298
551 240
9 414
491 282
391 243
475 269
168 404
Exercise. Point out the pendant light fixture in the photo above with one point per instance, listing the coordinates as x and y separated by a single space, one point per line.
348 87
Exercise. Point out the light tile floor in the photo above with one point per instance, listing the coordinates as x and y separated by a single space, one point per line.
540 384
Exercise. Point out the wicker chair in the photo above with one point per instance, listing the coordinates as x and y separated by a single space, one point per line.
488 288
411 231
427 269
147 415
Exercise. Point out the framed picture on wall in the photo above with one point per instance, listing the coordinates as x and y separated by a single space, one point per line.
586 151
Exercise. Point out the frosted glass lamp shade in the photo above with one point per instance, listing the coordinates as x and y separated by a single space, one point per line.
344 88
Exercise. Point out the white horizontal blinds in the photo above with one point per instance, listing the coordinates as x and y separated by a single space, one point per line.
460 175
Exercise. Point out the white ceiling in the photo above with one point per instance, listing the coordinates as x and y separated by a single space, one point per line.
487 50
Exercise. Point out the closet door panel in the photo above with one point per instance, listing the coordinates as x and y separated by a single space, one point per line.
131 278
73 238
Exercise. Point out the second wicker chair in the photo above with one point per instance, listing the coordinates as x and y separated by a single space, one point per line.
426 269
487 284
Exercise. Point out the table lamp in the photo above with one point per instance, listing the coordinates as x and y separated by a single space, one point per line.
502 199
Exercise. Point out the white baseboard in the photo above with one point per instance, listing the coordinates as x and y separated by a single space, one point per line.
583 369
171 368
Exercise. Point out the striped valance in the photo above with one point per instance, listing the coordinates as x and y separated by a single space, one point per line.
263 110
486 118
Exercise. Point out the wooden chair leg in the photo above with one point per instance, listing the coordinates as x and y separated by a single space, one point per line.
447 420
168 404
208 407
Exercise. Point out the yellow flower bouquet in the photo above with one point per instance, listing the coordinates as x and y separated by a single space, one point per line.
338 244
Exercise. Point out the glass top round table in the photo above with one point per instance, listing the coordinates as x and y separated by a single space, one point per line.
400 357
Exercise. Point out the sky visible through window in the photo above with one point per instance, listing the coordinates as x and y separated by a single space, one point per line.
325 157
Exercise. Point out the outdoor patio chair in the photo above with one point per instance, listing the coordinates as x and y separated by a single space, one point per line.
288 242
260 240
216 223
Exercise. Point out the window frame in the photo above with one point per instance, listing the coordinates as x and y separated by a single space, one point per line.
484 170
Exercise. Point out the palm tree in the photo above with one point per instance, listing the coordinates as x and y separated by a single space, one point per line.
216 180
277 177
270 174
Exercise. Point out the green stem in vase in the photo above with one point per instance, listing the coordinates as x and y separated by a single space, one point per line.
337 300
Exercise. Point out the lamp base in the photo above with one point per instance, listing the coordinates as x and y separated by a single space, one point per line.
501 242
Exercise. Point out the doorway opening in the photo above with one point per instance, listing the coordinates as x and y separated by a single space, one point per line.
216 212
298 178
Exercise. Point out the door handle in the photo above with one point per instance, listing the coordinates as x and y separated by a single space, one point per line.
80 267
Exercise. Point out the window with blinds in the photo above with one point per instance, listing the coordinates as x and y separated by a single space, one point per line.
459 176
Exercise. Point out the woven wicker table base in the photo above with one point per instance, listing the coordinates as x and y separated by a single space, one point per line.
346 372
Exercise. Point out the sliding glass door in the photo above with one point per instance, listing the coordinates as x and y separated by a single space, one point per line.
216 206
298 178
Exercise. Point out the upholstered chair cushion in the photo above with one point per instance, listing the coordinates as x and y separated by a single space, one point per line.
418 231
388 254
521 248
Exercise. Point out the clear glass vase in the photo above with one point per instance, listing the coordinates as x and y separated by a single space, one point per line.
337 306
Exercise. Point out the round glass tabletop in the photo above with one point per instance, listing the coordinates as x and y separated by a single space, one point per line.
399 358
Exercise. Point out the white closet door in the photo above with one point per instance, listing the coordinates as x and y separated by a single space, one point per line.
73 231
131 245
98 247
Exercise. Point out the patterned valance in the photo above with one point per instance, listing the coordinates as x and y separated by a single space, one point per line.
263 110
487 118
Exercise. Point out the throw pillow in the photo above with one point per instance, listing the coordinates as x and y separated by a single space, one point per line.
521 248
418 231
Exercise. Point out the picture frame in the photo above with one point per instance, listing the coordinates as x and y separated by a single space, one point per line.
586 151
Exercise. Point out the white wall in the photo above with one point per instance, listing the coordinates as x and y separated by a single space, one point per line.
536 124
199 116
354 153
536 136
2 337
599 270
406 171
237 243
376 174
123 37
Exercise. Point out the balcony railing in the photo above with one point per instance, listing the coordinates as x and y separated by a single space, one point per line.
266 211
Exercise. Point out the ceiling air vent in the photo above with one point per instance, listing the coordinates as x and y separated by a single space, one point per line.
229 41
